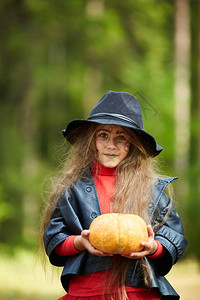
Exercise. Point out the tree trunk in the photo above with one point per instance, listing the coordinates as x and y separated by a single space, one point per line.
182 84
93 76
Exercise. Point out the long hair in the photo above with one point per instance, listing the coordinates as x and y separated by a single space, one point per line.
136 175
79 160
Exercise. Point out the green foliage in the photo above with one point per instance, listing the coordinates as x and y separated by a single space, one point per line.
5 208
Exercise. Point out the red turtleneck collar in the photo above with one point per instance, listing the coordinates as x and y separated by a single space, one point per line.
99 169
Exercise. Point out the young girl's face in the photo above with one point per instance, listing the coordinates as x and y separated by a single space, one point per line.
112 144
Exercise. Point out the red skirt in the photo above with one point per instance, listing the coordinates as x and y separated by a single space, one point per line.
140 295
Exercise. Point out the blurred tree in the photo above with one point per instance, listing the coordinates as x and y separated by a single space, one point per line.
182 84
13 88
36 82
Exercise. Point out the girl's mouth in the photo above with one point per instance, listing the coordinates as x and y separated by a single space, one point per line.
111 155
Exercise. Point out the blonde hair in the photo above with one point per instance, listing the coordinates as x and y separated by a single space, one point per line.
79 160
136 175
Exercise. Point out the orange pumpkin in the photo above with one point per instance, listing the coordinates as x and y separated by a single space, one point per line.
118 233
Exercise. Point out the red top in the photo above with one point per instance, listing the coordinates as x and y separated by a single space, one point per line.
94 284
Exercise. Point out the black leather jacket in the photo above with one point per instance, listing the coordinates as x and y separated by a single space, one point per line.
77 208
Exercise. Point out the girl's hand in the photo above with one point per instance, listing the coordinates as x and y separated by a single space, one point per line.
150 246
81 243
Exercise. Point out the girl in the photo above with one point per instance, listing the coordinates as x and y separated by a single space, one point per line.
111 168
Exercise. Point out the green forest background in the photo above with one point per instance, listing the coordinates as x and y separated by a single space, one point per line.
57 58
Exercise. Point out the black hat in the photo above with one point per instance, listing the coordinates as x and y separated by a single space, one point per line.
117 108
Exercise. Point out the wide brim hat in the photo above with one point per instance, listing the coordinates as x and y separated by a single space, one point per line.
121 109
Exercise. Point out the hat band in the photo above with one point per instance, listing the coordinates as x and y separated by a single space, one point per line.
118 116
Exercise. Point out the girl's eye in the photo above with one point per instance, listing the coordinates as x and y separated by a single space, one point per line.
121 137
103 135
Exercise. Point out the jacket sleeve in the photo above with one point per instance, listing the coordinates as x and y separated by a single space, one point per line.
63 223
169 233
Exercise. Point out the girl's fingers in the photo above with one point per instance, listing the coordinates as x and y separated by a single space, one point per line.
85 236
150 231
85 233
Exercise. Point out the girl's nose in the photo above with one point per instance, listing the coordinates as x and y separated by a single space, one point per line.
111 144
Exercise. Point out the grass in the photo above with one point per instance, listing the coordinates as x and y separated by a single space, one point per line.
185 278
23 278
